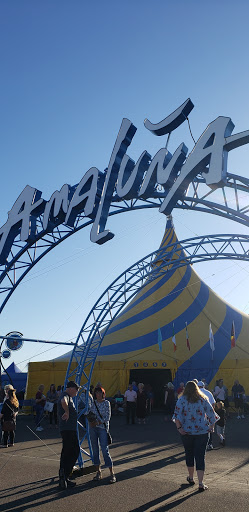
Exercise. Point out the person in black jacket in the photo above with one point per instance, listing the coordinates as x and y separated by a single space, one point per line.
8 414
67 415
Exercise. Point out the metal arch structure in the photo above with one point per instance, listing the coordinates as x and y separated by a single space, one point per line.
123 289
24 256
224 202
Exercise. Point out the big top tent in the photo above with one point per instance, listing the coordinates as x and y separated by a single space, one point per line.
177 306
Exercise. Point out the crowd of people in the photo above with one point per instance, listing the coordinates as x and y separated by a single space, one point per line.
196 412
47 404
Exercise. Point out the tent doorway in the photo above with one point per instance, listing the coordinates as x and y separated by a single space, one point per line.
154 378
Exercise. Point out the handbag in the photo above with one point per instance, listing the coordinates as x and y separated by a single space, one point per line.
48 406
8 426
91 417
109 437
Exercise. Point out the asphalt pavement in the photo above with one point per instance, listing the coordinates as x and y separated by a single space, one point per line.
149 464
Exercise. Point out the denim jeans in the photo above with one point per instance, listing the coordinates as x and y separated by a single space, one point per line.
98 436
195 449
220 430
39 414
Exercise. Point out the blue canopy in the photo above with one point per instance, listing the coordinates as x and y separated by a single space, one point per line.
18 378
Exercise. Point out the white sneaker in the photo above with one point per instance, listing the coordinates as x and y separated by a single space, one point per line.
238 417
242 416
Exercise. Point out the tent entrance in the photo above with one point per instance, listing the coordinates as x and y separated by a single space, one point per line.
154 378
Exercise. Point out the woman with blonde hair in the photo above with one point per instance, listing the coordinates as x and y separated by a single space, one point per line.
194 418
8 416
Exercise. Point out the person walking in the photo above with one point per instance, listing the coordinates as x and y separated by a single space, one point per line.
141 404
8 417
101 408
67 415
194 418
130 397
221 423
238 393
40 401
212 402
169 401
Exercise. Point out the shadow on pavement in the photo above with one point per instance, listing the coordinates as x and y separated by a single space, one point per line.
167 506
42 496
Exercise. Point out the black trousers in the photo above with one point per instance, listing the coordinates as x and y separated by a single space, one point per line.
130 411
8 435
195 449
70 451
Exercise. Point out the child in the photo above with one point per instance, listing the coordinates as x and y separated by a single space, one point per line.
220 425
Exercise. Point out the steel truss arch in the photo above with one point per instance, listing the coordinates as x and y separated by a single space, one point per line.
125 287
24 256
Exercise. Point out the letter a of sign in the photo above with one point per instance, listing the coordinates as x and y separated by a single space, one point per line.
21 216
208 156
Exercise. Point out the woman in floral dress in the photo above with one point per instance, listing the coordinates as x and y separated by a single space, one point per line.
194 418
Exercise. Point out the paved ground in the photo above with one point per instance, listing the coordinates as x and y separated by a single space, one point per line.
150 468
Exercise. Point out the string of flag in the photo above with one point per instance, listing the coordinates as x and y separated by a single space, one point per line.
233 339
159 338
174 338
211 338
187 336
211 341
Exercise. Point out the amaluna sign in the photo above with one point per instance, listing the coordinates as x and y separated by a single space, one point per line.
126 179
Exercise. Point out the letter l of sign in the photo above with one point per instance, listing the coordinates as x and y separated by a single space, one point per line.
124 138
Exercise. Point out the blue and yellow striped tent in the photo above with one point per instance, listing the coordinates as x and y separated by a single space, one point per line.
134 340
178 298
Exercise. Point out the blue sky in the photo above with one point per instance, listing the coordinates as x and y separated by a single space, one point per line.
70 71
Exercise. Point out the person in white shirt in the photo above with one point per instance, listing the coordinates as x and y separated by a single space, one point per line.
212 401
208 394
220 391
130 397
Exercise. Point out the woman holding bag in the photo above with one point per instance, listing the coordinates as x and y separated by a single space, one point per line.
52 399
8 417
101 408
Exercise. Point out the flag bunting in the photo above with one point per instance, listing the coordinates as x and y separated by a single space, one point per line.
174 338
233 339
211 340
159 338
187 338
